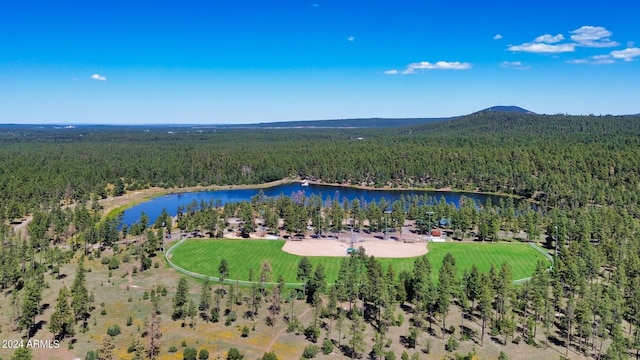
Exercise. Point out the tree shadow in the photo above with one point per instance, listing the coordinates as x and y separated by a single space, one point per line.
36 327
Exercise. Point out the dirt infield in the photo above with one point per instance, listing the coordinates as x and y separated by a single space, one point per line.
377 248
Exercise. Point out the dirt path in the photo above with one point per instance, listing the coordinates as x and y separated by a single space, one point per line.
275 339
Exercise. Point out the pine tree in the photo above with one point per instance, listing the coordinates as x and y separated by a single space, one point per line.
180 300
30 304
223 269
191 313
356 340
205 299
80 296
485 299
61 322
304 271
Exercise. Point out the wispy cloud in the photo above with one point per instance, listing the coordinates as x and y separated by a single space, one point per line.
425 65
614 56
542 48
549 39
315 5
627 54
497 37
594 60
593 36
518 65
98 77
440 65
351 38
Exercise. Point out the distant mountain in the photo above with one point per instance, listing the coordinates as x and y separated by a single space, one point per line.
341 123
508 109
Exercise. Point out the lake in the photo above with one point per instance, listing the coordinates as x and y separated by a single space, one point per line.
171 202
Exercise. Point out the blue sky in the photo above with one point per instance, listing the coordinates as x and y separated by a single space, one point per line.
134 62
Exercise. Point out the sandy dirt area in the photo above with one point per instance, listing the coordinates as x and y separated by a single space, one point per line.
377 248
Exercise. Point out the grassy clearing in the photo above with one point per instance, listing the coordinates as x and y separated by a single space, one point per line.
520 256
204 256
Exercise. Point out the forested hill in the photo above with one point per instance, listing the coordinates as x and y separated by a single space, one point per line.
343 123
509 109
504 123
556 159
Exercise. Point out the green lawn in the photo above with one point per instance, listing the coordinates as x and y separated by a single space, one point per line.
203 257
522 257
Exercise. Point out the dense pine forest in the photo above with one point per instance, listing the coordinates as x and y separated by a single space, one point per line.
580 171
561 161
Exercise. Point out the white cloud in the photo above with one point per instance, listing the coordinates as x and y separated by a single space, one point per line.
425 65
593 36
594 60
497 37
627 54
514 65
351 38
543 48
440 65
98 77
549 39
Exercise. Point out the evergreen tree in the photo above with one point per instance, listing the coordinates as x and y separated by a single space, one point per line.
80 296
61 322
205 299
304 271
356 339
30 304
180 300
223 269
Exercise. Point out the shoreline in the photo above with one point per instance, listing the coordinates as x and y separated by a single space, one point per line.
122 203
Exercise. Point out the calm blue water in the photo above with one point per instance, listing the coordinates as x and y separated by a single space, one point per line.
154 207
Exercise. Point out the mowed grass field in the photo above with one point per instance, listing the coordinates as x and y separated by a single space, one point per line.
204 256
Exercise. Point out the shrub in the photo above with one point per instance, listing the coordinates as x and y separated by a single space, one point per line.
234 354
389 355
245 331
129 320
327 346
310 352
114 263
173 349
412 339
312 333
427 346
452 344
204 354
105 260
113 330
269 356
190 353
